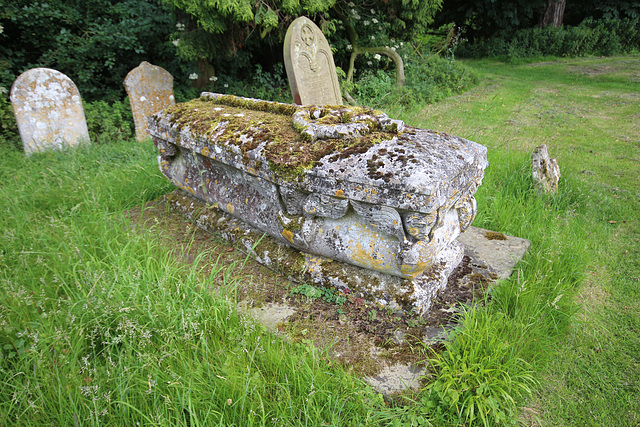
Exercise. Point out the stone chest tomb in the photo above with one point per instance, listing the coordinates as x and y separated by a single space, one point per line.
368 204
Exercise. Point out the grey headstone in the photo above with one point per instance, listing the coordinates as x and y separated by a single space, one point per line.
150 89
546 172
48 110
309 64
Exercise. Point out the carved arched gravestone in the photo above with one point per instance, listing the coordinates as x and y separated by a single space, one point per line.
48 110
309 64
150 89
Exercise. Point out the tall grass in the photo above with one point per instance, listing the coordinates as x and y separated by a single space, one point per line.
100 325
534 334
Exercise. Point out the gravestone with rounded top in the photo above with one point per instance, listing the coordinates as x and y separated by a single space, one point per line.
48 109
150 89
309 64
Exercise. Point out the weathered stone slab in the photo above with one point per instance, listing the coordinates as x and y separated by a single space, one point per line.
309 64
546 172
349 185
493 254
48 109
150 89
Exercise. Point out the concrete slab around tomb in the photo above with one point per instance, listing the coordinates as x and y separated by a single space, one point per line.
489 254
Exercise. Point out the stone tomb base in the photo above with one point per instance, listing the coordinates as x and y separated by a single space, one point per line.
373 286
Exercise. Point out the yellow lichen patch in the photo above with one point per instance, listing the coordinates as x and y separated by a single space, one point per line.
252 171
205 151
229 208
339 193
287 235
367 258
411 271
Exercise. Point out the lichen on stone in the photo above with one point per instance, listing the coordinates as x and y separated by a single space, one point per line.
228 121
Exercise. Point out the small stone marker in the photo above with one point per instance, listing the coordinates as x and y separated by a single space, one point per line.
309 64
48 109
546 172
150 89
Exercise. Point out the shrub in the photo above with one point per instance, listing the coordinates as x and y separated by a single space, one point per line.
270 86
591 37
428 80
8 127
109 123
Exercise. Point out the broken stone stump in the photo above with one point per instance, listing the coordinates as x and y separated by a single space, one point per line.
367 203
309 64
546 172
150 89
48 110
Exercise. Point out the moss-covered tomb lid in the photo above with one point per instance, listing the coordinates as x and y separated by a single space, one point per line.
340 151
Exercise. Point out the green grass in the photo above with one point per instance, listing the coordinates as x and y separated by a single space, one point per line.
103 325
100 325
571 311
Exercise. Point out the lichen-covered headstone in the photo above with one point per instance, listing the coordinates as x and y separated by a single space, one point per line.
546 172
150 89
309 64
340 183
48 110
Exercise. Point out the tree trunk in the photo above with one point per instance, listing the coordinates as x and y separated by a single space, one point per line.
553 14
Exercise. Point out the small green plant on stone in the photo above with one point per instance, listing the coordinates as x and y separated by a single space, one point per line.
327 294
308 291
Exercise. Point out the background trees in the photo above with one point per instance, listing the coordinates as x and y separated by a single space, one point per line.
480 19
95 42
236 34
212 43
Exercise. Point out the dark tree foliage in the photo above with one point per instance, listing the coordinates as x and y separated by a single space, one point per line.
577 11
95 42
484 18
234 35
481 19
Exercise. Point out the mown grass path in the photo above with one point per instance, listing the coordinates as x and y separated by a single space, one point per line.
587 111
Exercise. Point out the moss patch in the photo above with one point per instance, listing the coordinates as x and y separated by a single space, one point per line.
245 123
494 235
